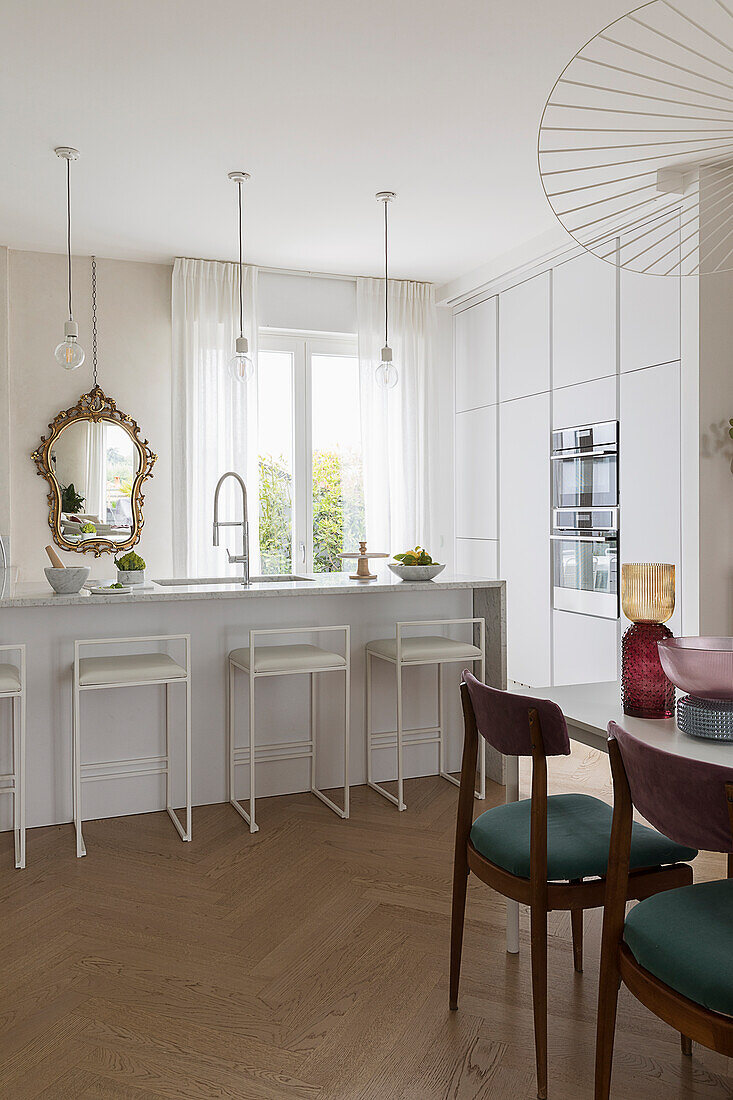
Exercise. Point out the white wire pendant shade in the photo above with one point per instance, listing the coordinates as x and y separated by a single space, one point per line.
635 146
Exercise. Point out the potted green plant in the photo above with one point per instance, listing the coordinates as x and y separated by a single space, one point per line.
130 569
71 501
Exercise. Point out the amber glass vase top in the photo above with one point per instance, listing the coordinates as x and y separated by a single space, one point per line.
647 592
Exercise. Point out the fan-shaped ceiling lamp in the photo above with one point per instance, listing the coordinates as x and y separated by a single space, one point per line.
635 145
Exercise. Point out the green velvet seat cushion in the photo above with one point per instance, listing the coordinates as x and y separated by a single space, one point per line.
685 938
578 838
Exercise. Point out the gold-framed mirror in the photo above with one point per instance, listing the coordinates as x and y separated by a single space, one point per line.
95 463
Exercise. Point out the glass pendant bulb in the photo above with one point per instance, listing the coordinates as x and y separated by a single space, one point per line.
386 375
241 367
69 353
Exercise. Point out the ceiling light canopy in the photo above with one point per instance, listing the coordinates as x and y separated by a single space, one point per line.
69 353
241 367
386 375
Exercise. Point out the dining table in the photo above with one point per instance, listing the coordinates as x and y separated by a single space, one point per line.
588 708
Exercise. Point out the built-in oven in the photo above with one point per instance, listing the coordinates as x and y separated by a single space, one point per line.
585 466
585 519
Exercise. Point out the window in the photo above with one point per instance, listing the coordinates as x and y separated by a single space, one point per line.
311 487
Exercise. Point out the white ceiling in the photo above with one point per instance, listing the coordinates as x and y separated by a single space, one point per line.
325 102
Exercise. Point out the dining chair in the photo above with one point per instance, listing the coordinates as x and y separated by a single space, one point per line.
674 952
549 852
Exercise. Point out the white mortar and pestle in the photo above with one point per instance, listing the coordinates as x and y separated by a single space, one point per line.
65 582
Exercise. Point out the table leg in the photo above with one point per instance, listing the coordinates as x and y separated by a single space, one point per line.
512 907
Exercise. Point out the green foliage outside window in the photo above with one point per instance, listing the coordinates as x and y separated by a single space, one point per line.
338 511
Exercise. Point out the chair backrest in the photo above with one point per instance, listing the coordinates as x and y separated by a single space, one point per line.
682 798
502 719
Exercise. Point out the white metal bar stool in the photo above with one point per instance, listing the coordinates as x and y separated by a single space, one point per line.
286 660
407 653
130 670
12 687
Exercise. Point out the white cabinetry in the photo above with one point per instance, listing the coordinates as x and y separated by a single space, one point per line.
524 339
476 481
477 558
584 320
650 469
475 352
649 320
524 560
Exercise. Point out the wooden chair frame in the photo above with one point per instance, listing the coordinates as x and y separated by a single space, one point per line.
540 895
694 1023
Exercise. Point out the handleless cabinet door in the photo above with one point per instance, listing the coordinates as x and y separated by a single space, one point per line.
524 535
475 351
650 320
476 474
524 338
583 321
650 469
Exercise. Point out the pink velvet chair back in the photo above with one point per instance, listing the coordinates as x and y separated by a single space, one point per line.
503 719
682 798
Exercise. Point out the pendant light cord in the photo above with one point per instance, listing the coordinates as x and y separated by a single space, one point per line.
68 228
94 317
241 311
386 280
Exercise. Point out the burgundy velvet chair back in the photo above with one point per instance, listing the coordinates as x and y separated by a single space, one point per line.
503 719
682 798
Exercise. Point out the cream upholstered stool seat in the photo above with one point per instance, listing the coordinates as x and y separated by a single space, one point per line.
12 687
286 660
410 651
128 668
131 670
10 682
418 650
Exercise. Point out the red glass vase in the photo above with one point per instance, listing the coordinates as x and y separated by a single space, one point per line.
645 690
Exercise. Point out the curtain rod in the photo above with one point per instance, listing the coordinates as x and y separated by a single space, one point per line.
300 273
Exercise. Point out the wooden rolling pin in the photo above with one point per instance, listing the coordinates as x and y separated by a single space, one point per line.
55 560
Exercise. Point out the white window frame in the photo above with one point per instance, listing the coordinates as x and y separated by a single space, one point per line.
303 345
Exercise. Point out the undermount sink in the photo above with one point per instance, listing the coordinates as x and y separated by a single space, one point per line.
272 578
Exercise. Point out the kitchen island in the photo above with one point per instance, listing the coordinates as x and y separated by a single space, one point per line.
128 722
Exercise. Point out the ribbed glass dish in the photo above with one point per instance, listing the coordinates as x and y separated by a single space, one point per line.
711 719
701 667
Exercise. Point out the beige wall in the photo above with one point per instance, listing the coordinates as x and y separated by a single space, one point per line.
134 323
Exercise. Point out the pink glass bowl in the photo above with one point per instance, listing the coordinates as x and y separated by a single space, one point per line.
699 666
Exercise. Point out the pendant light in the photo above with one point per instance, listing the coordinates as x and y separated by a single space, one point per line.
386 375
69 353
241 366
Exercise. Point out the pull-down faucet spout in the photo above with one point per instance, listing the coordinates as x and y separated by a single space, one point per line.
243 524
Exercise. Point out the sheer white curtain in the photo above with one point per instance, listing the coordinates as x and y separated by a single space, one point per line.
395 422
214 417
96 471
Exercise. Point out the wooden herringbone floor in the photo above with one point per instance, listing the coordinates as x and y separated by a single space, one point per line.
309 961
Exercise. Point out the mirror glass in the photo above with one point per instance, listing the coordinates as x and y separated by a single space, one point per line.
95 463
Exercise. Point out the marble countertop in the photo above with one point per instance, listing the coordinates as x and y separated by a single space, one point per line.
19 594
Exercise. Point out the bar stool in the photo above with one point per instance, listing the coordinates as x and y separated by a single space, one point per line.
409 652
285 660
130 670
12 687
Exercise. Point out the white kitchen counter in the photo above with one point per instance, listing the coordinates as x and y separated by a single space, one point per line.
128 722
40 594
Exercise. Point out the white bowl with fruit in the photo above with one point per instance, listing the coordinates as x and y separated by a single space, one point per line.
415 565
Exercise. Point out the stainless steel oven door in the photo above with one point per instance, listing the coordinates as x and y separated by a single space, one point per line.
585 573
585 481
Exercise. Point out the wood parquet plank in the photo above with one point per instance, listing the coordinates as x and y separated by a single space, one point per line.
307 962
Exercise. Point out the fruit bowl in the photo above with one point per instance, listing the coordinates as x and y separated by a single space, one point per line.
702 667
416 572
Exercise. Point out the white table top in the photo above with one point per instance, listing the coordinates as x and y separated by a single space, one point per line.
588 708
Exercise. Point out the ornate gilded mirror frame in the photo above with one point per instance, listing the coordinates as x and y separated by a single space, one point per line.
94 406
